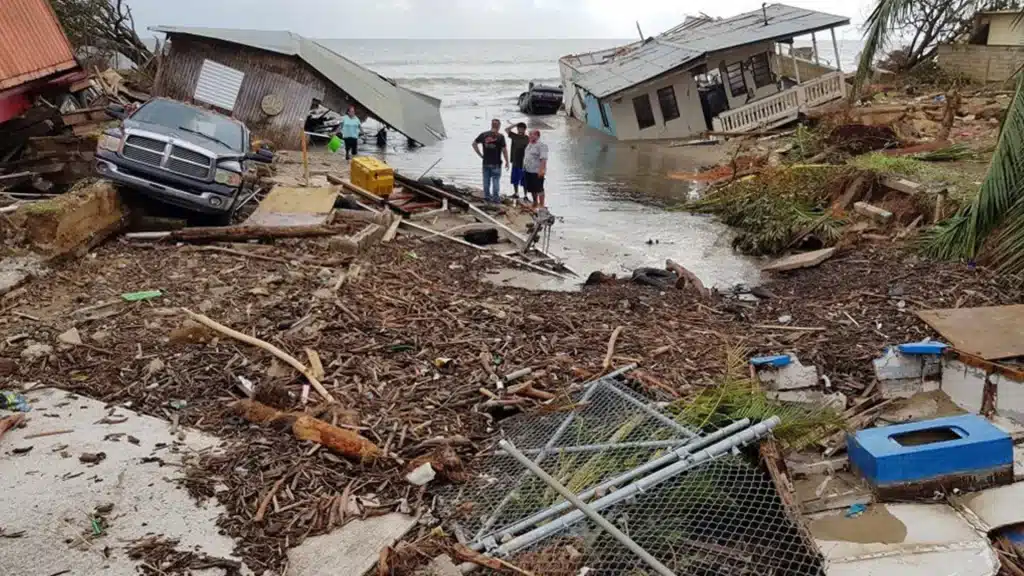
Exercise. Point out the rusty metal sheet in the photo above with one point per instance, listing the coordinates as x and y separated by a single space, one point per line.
32 43
286 206
991 333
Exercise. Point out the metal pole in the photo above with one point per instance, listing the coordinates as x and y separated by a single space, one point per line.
796 67
590 513
600 447
652 412
814 42
589 390
835 48
722 448
674 456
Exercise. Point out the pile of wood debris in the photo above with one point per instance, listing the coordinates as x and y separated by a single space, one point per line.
420 355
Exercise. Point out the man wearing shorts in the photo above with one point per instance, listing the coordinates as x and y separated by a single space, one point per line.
535 166
517 150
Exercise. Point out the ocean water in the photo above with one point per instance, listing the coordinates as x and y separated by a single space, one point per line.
609 196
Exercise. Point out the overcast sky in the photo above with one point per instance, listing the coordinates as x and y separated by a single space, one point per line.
459 18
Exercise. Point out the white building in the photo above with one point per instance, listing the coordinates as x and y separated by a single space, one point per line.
704 74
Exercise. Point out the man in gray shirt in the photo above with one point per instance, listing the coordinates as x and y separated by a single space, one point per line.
535 166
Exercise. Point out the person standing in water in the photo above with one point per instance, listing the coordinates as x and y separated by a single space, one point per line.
535 165
518 152
494 150
350 128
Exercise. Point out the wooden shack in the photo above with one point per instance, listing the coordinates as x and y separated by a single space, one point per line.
270 80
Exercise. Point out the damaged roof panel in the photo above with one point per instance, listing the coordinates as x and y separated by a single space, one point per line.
416 115
687 43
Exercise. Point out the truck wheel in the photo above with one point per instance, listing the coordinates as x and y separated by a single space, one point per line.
67 103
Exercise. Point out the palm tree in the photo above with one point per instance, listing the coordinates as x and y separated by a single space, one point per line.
993 223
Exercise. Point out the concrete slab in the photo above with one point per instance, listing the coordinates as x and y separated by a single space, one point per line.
904 539
49 493
796 261
351 550
996 507
792 376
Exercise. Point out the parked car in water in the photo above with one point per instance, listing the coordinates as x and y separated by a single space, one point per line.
541 99
179 154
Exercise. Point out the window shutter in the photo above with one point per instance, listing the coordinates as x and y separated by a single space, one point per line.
218 85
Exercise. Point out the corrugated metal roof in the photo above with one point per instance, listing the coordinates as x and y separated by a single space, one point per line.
32 43
416 115
687 43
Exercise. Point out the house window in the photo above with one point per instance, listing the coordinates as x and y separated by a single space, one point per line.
644 112
667 101
604 114
762 70
734 78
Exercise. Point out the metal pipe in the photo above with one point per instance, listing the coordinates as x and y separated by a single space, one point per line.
587 510
600 447
835 48
718 449
589 389
682 453
653 413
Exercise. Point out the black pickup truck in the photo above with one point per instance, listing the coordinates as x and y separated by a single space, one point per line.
179 154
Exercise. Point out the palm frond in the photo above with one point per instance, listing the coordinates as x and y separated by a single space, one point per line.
877 28
999 204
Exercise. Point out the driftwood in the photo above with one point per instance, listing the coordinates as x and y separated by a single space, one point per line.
238 233
280 354
611 346
688 279
305 427
10 422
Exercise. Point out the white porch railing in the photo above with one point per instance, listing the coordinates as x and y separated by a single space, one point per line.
783 107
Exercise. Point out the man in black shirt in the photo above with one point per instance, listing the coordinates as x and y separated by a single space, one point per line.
518 152
494 149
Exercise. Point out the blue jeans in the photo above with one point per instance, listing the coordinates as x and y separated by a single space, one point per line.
492 183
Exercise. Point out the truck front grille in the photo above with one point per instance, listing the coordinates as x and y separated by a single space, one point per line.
189 163
144 150
181 160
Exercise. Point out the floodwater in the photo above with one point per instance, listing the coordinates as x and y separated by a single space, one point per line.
609 197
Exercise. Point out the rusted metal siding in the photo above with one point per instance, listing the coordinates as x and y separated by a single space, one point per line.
265 73
32 43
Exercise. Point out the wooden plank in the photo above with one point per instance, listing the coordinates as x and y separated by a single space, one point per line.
804 260
294 207
991 333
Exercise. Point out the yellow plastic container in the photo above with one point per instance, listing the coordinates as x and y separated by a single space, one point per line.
373 176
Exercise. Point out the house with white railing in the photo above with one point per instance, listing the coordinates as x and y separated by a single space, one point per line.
703 75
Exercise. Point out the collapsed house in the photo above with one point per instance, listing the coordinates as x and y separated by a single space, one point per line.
993 50
723 75
271 79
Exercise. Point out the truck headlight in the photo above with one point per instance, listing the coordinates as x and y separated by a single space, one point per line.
227 177
109 142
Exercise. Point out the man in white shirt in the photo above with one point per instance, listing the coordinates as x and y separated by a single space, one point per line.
535 167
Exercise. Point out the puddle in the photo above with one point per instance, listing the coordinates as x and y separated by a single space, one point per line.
875 526
531 281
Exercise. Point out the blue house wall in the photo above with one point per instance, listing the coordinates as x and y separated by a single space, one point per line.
594 114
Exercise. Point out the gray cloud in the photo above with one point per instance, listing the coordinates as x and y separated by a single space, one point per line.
451 18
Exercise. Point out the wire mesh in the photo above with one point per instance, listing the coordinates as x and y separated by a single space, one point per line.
723 518
585 447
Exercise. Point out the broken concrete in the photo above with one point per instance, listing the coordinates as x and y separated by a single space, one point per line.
797 261
793 376
50 493
351 550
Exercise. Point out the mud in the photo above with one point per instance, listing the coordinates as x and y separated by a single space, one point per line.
875 526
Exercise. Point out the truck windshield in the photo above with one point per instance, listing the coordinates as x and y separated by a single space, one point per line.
176 116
